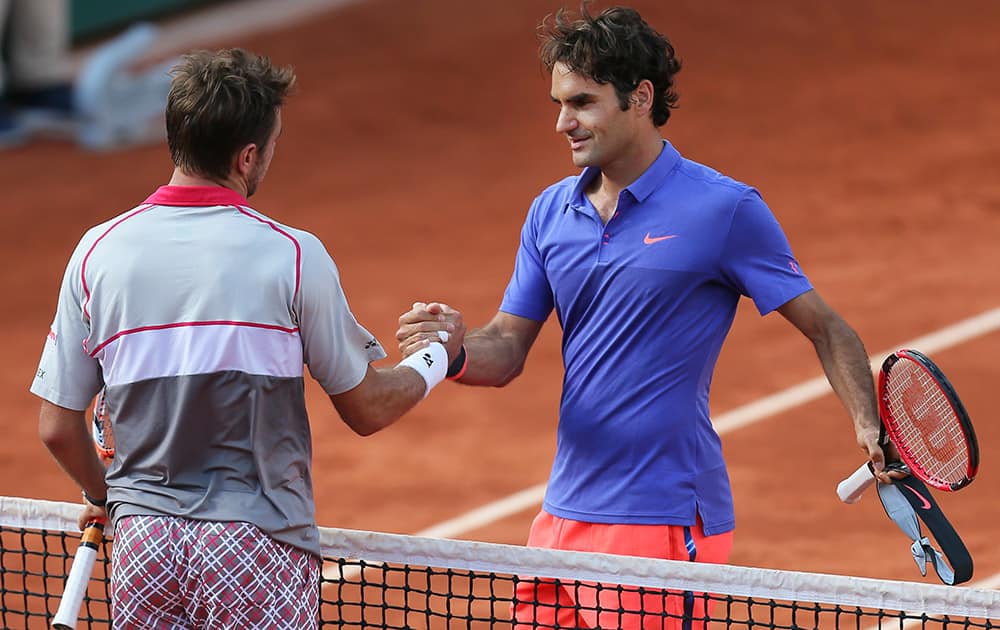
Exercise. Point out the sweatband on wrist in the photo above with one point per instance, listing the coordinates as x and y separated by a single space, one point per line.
95 502
431 364
457 367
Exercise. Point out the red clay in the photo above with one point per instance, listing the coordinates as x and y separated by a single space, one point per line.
422 131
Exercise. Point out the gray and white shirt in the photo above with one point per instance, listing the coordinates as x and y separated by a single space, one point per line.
197 314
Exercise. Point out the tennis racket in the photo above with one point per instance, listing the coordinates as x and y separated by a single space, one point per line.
79 577
104 437
925 420
93 533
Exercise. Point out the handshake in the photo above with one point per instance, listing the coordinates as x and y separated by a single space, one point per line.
431 339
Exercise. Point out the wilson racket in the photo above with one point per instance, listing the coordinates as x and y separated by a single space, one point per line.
104 437
86 554
925 420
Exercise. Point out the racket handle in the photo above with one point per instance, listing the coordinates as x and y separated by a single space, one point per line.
78 578
850 490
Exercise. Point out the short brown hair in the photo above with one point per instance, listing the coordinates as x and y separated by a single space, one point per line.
218 103
617 47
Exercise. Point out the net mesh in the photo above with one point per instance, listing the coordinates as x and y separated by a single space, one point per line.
378 580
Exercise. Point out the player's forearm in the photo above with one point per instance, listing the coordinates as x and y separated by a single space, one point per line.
845 362
64 433
384 396
492 359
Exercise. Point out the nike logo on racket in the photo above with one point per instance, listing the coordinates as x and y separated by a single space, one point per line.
925 504
649 240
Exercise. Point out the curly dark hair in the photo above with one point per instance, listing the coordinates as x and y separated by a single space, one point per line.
616 47
218 103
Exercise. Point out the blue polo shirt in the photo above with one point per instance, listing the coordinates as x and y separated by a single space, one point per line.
645 303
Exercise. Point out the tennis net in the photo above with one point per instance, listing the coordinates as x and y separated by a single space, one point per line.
379 580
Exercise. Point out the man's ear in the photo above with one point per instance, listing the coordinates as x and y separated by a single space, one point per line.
642 97
246 159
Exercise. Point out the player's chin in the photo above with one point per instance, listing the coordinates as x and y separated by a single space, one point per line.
582 159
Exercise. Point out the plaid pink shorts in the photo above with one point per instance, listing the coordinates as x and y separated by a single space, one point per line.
171 572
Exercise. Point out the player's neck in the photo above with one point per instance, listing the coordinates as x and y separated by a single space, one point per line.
621 172
181 178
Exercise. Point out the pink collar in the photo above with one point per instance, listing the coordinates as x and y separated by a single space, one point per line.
193 196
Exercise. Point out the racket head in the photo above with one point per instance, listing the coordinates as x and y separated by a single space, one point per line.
104 437
926 421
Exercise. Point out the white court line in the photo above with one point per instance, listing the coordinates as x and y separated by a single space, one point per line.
741 416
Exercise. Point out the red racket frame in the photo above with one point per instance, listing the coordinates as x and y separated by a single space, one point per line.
891 424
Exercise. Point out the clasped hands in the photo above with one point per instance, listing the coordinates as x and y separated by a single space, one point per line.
427 322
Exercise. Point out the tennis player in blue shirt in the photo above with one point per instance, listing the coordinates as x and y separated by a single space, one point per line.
644 256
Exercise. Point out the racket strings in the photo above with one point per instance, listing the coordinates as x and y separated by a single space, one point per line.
928 429
104 440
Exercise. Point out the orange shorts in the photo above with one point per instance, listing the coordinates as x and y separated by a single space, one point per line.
547 603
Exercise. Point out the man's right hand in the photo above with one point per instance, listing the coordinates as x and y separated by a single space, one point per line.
91 512
868 440
424 323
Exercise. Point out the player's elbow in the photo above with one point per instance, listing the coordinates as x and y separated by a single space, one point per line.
49 435
56 428
365 420
366 424
366 412
511 374
834 332
53 436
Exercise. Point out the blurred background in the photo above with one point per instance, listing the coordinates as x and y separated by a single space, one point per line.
419 135
93 18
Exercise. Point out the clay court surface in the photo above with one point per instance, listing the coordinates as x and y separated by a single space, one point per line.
420 134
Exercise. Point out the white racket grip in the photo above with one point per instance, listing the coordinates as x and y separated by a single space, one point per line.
850 490
78 578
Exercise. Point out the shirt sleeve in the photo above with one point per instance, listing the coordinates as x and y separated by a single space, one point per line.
757 258
336 348
67 375
529 293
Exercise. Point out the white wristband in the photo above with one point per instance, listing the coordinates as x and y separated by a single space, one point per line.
431 364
